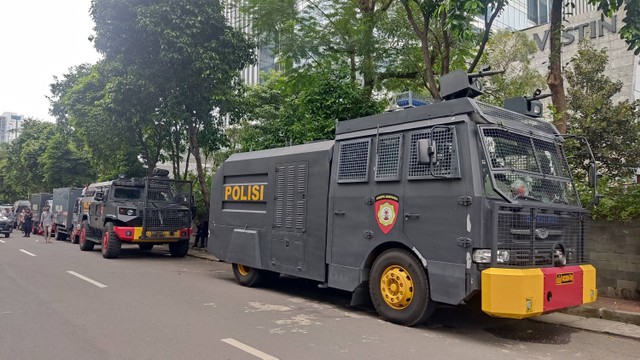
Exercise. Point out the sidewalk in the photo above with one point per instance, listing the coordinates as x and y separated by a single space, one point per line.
607 315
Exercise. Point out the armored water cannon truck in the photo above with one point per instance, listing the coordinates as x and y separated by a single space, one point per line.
62 211
437 204
142 211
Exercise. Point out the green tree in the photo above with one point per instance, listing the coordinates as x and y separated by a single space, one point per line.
510 51
630 32
184 55
448 36
24 167
613 129
364 36
82 102
289 110
62 166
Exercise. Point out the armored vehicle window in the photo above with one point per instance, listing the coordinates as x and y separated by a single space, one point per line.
159 194
528 168
353 163
447 163
388 159
127 193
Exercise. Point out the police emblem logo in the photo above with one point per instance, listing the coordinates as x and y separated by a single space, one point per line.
386 208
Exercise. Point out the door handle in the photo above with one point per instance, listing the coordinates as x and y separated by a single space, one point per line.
339 212
408 216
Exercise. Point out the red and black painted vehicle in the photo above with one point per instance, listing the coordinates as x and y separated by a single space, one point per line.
142 211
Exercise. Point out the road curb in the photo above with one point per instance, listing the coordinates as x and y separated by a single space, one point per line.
598 325
605 314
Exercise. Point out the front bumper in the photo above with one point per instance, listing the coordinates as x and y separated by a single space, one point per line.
135 235
6 228
522 293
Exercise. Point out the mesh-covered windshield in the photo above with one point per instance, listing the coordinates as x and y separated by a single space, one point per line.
526 168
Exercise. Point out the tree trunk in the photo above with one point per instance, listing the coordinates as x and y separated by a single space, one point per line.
195 149
366 45
555 79
423 35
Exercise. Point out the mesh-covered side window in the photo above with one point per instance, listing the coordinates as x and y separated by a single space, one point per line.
353 163
388 161
447 164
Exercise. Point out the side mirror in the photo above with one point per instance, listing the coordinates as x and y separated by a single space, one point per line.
98 196
592 175
426 152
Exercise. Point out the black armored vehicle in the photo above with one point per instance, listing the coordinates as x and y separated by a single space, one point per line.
441 203
142 211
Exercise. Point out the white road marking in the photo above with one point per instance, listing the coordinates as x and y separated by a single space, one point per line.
26 252
100 285
2 241
249 349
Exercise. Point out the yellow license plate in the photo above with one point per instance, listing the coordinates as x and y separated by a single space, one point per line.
564 278
159 234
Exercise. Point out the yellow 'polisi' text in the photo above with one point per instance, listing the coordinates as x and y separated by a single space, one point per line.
244 193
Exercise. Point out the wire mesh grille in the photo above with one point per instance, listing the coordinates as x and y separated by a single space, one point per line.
167 205
353 165
527 168
167 219
536 236
447 164
514 119
388 162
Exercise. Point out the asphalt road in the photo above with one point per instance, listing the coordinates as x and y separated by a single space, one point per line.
57 302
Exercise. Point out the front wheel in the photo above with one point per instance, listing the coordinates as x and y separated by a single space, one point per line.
6 235
110 243
179 249
85 244
399 288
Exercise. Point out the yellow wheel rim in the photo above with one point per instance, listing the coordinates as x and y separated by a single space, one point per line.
243 270
396 286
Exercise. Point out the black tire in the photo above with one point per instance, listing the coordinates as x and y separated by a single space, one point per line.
85 244
250 277
402 297
179 249
6 235
110 243
57 234
145 246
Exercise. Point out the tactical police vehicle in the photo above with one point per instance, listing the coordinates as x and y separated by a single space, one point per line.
62 211
411 208
142 211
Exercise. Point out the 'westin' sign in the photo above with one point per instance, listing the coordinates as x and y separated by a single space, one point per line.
596 29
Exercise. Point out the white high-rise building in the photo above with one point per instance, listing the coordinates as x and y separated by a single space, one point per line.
10 126
523 14
264 53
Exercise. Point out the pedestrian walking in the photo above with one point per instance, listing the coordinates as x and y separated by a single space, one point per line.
27 222
46 220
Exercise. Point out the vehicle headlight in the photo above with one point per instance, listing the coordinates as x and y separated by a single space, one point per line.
127 211
483 256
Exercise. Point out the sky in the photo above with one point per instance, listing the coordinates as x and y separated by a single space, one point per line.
40 39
